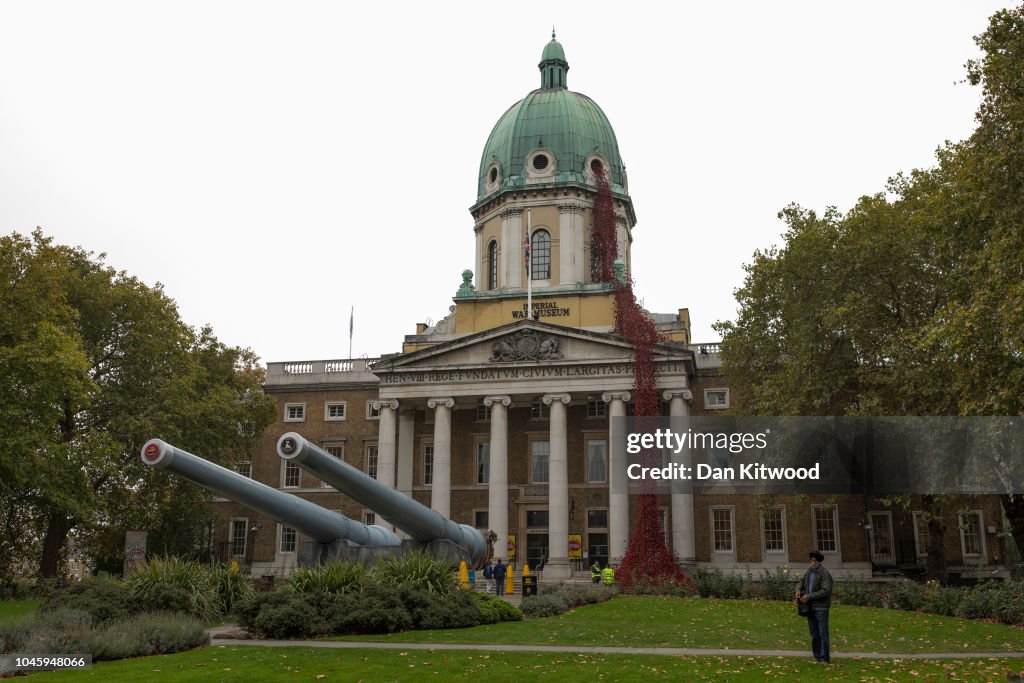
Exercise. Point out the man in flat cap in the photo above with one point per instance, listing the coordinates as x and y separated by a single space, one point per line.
816 591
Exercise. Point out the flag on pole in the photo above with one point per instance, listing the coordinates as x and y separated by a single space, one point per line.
351 322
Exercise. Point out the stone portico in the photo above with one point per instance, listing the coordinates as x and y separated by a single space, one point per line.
519 365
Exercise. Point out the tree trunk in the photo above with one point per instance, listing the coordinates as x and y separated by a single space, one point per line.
1013 506
57 529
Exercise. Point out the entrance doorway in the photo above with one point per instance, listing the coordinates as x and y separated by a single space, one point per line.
536 538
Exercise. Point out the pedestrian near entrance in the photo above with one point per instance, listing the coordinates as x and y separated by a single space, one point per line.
595 572
499 572
608 575
489 577
816 590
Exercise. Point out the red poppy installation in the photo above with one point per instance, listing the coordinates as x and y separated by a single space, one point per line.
647 559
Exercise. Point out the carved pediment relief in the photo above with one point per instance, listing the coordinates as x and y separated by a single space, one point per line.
525 345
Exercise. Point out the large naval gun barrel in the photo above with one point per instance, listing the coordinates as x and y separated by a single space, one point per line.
322 525
424 525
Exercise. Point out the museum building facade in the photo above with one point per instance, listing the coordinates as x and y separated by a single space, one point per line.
499 415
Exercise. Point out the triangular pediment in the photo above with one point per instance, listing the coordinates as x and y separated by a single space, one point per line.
524 342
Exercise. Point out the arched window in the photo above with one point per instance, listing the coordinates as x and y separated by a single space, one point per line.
492 265
540 246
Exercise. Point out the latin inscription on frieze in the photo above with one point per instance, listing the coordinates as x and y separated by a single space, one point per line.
507 373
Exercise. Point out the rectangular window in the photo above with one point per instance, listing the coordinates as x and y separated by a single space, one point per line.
597 408
597 519
540 262
971 540
721 530
773 529
539 410
537 519
483 413
921 533
292 475
880 538
288 539
663 526
716 399
481 520
334 411
540 454
597 461
826 529
339 453
245 469
239 534
483 463
428 464
372 410
371 460
294 412
369 517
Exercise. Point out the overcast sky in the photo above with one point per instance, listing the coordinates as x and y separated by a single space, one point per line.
275 164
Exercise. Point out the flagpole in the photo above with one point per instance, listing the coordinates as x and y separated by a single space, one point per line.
351 319
529 266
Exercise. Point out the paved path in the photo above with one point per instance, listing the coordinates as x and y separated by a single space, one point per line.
674 651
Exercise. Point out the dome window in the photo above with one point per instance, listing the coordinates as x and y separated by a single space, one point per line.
596 165
492 265
540 162
540 248
492 177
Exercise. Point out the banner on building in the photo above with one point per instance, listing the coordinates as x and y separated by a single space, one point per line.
575 546
511 546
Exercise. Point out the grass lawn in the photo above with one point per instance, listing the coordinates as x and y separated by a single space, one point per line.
16 609
246 664
624 621
652 621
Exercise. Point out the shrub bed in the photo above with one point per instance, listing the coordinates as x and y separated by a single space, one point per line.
996 599
69 631
554 600
397 594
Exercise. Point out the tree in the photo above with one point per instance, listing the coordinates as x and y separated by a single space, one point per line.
98 363
913 302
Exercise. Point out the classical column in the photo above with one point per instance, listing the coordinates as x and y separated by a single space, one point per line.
683 539
557 566
511 246
618 486
497 487
570 218
441 489
404 465
480 268
386 441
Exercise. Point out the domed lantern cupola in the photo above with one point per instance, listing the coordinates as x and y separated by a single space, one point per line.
553 67
536 188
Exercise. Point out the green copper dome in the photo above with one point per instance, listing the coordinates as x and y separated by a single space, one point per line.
566 126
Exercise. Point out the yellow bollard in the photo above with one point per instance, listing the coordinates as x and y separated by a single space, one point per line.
526 570
510 584
463 575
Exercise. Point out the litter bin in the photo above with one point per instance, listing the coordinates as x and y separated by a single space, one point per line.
529 585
